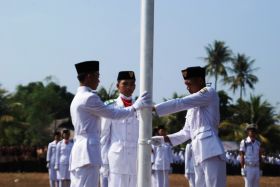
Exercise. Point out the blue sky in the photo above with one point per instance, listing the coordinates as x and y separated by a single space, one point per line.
39 38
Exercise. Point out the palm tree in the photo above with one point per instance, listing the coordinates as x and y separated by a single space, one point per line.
217 55
107 95
242 74
254 111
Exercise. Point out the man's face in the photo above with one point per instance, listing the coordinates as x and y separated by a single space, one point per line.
66 136
194 84
252 133
57 137
93 80
162 132
126 87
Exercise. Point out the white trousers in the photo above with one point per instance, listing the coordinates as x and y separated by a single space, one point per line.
63 172
64 183
252 177
160 178
122 180
86 176
211 173
103 181
191 178
53 183
52 174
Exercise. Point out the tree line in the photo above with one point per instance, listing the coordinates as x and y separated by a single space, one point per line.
30 115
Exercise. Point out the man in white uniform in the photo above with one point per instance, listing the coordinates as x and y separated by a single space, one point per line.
250 157
51 153
162 155
86 110
189 165
202 121
119 138
63 151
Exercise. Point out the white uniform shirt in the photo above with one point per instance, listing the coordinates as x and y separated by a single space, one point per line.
51 153
119 142
86 110
251 150
189 161
162 156
63 152
201 124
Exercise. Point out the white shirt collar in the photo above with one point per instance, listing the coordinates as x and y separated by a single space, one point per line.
85 88
125 97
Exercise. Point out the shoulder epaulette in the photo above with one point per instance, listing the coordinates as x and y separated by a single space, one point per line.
203 90
109 102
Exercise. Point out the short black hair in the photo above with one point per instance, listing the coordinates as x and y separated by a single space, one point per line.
81 77
161 127
65 131
56 133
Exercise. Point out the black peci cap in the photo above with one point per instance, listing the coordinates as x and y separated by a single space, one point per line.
195 71
126 75
87 66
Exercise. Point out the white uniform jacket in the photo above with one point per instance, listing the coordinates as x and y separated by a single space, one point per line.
202 120
162 157
63 152
119 142
51 153
251 150
86 110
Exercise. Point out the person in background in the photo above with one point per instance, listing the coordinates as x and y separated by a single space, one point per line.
162 160
250 157
119 138
189 164
86 111
63 151
51 155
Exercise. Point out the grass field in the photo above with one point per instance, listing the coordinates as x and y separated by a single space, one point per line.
176 180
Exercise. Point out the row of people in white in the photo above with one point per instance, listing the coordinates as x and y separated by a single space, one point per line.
63 151
51 156
58 154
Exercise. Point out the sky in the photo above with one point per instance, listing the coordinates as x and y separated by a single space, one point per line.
40 38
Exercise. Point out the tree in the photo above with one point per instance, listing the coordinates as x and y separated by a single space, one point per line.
224 105
107 95
257 112
242 71
217 55
40 105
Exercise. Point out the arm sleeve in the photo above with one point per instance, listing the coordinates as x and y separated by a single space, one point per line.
57 154
170 154
188 157
201 98
48 153
105 139
242 146
95 106
179 137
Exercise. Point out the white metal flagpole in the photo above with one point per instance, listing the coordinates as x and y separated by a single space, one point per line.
146 84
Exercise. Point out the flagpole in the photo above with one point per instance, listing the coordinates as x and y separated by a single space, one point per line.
146 84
